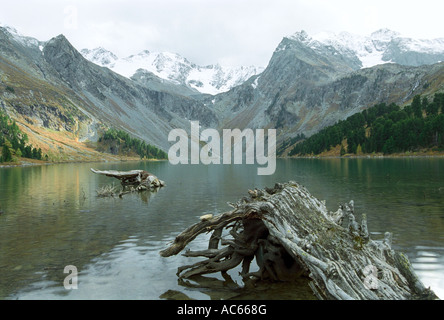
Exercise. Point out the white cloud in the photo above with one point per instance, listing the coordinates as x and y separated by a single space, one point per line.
210 31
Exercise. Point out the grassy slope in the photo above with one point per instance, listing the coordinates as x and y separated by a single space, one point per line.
60 143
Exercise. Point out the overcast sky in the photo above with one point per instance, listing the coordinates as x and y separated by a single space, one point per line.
231 32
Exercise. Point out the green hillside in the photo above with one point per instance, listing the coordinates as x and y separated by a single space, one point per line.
14 143
119 142
384 129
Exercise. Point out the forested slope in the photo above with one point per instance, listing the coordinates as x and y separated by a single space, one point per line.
382 129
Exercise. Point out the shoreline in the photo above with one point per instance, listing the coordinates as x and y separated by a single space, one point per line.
335 155
30 162
366 156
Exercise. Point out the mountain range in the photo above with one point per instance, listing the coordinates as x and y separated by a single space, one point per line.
172 67
382 46
63 98
311 82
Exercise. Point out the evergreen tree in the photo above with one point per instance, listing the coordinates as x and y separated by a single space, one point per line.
126 144
342 151
6 152
389 146
417 106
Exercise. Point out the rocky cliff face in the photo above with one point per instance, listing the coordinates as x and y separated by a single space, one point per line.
31 90
308 85
51 85
138 107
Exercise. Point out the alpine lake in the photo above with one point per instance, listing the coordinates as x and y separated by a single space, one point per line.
51 217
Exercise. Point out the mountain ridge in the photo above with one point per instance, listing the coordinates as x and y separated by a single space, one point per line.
50 87
381 46
55 88
306 88
210 79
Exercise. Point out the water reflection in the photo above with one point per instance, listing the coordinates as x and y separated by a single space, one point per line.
428 263
53 218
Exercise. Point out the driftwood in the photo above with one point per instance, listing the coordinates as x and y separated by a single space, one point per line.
135 179
291 234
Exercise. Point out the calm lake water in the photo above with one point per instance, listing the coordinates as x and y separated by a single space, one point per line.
51 218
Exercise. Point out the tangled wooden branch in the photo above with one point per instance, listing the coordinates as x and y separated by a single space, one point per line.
134 180
290 233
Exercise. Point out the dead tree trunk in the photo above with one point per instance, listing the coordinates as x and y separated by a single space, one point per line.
292 234
137 179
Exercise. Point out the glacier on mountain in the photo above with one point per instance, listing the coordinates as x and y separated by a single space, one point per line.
381 46
211 79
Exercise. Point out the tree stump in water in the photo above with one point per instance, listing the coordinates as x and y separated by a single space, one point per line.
290 233
138 179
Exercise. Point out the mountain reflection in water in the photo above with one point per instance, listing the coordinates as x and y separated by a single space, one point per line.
52 218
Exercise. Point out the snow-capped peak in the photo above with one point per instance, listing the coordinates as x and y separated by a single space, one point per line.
384 35
100 56
24 40
300 36
368 49
212 79
13 31
381 46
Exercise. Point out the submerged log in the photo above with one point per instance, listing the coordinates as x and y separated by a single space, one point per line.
291 234
137 179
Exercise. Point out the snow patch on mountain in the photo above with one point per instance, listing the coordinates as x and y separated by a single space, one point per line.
19 37
100 56
382 46
212 79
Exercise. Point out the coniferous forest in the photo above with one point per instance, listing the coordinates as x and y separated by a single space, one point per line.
120 142
14 143
383 129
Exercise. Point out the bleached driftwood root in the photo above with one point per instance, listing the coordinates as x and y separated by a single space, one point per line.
136 180
292 234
